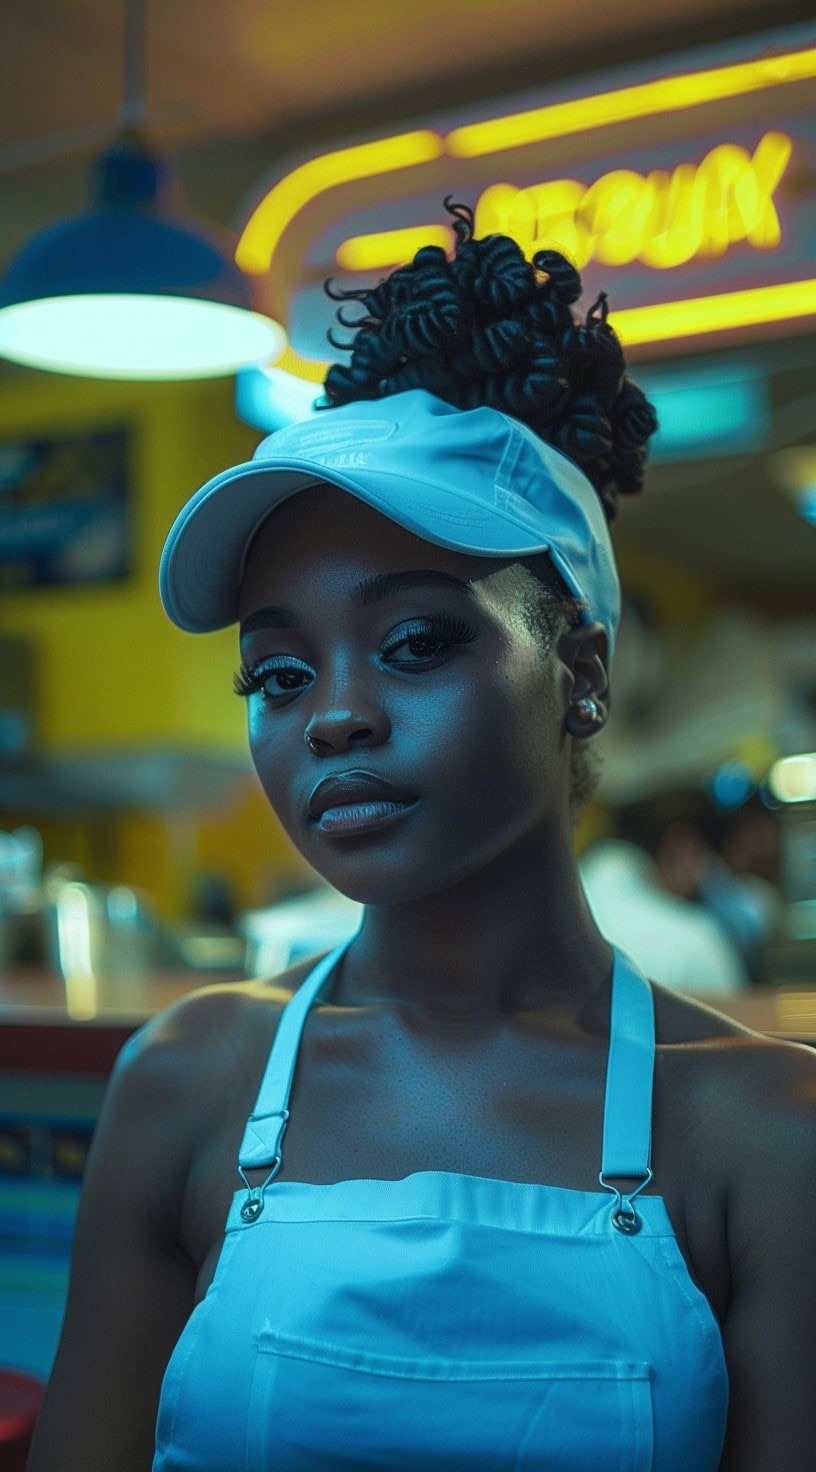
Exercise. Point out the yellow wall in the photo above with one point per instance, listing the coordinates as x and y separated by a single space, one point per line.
240 839
114 674
113 669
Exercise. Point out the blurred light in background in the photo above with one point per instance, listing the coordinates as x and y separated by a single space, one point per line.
708 411
269 398
269 219
669 94
129 336
696 315
702 196
732 785
663 219
795 471
807 504
389 248
793 778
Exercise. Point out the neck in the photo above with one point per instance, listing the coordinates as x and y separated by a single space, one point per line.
516 936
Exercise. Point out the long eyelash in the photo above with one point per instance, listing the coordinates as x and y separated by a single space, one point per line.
443 626
245 682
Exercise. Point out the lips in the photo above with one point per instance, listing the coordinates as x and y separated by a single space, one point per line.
349 787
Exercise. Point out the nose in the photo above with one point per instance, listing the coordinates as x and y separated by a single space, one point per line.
341 732
345 710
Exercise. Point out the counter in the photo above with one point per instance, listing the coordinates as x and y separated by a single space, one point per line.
49 1026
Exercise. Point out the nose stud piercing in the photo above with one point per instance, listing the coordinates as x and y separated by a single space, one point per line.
587 709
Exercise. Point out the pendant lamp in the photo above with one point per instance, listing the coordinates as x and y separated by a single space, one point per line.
132 289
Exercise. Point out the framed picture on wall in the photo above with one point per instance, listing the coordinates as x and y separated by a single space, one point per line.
65 509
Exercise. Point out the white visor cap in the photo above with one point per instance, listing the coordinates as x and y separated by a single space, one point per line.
473 480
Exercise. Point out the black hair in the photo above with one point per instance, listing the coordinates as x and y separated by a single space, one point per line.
488 327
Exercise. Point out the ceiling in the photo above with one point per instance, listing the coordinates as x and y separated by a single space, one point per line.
226 66
233 84
259 74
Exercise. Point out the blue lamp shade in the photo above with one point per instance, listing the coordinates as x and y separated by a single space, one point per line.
132 291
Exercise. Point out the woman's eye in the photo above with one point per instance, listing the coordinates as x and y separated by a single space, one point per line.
426 639
431 636
248 681
424 646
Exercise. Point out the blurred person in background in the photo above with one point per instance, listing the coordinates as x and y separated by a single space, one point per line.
741 880
663 884
423 1267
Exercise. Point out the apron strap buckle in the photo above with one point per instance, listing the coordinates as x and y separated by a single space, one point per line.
624 1217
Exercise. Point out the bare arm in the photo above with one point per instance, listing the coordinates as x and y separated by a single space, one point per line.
132 1286
770 1329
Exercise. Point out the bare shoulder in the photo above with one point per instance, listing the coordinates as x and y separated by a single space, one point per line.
213 1017
681 1017
742 1082
771 1237
206 1034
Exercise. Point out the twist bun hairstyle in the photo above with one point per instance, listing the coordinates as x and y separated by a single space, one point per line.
489 327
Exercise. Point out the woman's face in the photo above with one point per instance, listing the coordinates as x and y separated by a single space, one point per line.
470 717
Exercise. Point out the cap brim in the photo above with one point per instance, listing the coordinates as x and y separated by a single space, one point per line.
204 555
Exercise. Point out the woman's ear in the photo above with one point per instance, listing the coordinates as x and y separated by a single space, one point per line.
584 651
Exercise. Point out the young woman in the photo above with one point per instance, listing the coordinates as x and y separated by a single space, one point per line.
468 1191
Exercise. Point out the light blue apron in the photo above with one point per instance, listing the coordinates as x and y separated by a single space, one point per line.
448 1321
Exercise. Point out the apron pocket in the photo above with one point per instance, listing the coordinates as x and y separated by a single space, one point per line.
316 1406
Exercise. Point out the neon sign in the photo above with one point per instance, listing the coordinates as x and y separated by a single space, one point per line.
663 221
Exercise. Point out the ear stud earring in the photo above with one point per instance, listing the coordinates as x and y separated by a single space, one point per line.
586 709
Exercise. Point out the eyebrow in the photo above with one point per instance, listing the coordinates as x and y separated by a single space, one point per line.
367 591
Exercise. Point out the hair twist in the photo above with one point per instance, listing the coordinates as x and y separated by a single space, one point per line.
489 327
563 280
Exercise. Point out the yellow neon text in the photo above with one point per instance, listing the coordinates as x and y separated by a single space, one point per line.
662 219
